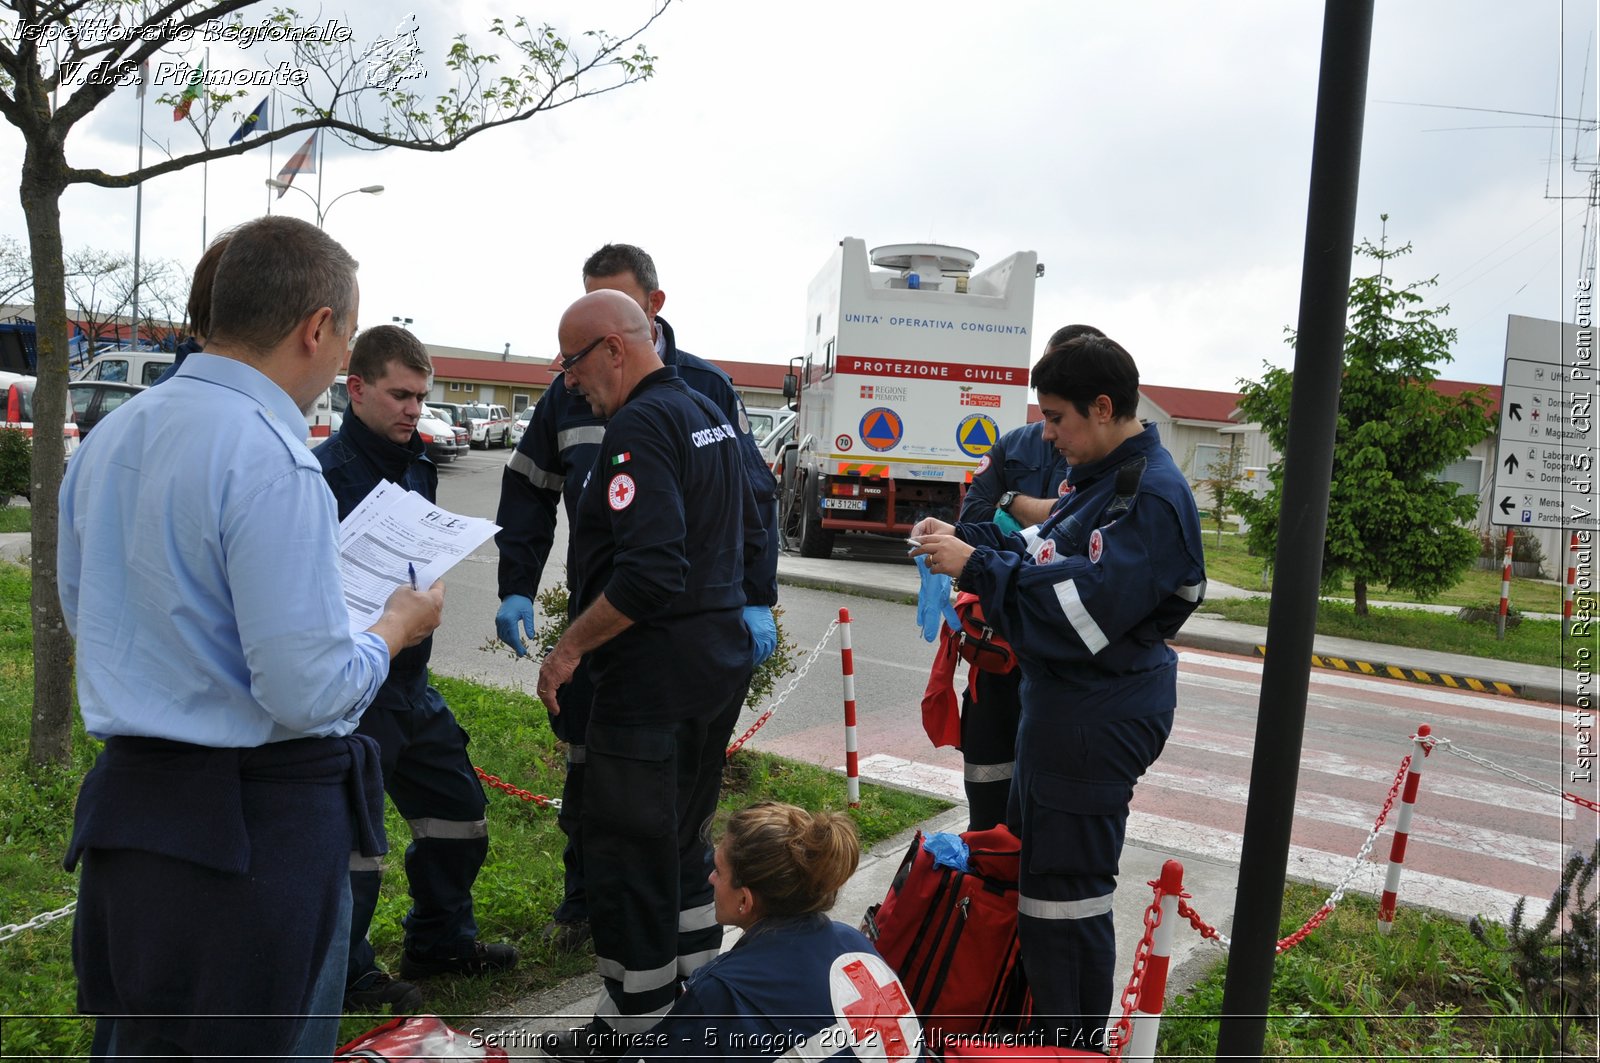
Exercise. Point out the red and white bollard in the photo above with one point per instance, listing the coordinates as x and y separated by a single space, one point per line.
1153 989
1571 586
1420 747
1505 584
847 658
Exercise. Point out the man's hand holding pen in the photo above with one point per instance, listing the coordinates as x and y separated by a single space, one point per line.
409 616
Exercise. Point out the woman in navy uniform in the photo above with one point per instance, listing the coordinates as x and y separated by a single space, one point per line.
1087 600
795 982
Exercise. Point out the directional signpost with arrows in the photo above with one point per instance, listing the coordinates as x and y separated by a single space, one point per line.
1538 434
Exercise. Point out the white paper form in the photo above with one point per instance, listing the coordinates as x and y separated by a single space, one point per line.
390 532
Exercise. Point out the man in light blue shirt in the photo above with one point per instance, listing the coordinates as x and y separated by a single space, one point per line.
198 571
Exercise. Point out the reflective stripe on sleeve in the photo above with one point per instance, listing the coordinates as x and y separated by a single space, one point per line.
577 754
574 437
1084 909
364 863
521 463
1194 592
448 828
1078 616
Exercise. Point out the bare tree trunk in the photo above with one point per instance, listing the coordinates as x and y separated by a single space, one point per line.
1361 596
50 741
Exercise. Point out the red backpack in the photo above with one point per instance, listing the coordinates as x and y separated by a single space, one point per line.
952 935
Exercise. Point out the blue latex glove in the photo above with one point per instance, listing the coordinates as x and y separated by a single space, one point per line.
764 630
933 600
513 610
947 850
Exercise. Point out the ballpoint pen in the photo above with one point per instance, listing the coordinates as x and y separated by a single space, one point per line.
411 570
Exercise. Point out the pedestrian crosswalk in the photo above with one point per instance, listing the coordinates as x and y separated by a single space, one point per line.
1479 841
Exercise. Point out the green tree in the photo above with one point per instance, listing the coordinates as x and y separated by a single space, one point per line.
1224 476
59 61
1390 521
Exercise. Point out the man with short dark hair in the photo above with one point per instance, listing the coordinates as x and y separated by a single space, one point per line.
662 537
199 574
423 750
548 469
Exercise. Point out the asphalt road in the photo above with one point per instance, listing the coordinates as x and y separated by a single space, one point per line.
1479 841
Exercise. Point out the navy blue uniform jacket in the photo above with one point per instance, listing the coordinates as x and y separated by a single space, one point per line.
557 451
1087 600
353 460
1021 461
665 529
791 981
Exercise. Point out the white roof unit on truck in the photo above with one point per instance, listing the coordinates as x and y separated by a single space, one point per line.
913 366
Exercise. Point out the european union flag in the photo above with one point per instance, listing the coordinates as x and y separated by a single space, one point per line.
256 122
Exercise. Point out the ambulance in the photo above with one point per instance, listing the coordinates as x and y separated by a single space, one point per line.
913 366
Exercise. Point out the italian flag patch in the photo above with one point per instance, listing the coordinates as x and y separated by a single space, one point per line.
618 459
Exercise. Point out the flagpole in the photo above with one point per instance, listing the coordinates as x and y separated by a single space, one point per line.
271 95
138 205
322 157
205 164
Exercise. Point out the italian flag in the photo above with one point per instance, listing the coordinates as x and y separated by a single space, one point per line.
618 459
191 92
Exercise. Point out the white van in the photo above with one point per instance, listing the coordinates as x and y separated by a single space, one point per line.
128 367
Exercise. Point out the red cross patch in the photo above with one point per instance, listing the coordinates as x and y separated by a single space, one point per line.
1047 552
871 1004
620 492
1064 490
983 466
1097 546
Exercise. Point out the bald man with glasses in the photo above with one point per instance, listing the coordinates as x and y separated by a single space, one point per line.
546 474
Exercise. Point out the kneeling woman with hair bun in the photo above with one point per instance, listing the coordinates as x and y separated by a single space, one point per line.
796 983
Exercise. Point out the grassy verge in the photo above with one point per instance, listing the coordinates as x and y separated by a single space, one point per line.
1530 641
516 891
1429 989
16 518
1228 560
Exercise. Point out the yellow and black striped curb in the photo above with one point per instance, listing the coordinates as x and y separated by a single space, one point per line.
1415 675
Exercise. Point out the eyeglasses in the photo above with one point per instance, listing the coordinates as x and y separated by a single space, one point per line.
567 361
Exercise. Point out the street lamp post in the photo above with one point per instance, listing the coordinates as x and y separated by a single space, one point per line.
322 215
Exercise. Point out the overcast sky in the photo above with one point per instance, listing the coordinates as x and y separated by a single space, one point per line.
1155 154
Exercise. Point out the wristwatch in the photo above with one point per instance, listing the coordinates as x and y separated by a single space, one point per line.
1004 505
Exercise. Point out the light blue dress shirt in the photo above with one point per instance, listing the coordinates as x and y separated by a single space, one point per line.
199 570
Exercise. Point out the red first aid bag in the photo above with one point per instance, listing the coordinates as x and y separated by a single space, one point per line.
951 935
416 1037
979 644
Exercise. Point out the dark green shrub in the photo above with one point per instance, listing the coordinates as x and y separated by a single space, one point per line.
16 462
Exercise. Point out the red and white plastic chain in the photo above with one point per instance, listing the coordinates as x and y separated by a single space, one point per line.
787 690
539 799
1211 933
1119 1033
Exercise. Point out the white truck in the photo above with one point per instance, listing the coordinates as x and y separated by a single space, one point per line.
911 371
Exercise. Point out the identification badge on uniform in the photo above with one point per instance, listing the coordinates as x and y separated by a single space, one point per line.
618 459
619 494
1064 490
1047 552
983 466
1097 546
